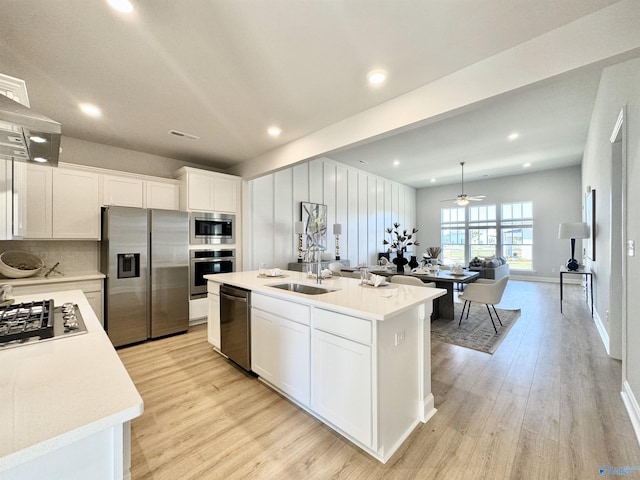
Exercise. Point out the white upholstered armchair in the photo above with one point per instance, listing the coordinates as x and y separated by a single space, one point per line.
484 291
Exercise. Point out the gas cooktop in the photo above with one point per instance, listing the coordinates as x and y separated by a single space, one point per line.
30 322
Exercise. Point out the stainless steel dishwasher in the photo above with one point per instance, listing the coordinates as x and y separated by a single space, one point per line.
235 326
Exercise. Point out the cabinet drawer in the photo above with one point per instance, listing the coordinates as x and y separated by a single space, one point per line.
283 308
346 326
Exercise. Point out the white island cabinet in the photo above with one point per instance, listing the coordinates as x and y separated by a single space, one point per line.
356 357
66 404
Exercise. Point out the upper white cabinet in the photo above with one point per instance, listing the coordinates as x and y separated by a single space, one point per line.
163 195
62 203
76 204
122 191
204 191
39 195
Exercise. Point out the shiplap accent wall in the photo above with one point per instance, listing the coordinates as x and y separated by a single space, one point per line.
363 203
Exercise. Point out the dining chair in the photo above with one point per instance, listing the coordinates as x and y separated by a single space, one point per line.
336 268
484 291
408 280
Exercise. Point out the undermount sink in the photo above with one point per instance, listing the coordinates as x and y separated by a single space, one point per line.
303 288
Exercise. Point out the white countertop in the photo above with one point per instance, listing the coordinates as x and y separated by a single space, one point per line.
57 392
351 298
54 278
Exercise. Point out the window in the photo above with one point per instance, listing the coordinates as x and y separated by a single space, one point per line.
482 231
452 235
486 231
517 234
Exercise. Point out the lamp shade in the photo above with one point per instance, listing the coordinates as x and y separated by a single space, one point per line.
337 229
298 228
573 230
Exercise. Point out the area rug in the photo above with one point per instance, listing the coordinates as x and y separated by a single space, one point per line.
476 332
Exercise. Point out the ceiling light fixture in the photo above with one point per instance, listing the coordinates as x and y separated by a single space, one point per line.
396 163
526 165
433 180
40 160
36 139
513 136
91 110
274 131
123 6
376 77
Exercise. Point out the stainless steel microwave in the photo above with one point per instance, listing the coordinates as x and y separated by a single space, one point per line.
212 228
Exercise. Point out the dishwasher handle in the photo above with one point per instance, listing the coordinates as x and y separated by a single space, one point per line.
234 297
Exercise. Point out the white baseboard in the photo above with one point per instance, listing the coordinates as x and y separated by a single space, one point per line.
632 407
428 408
604 335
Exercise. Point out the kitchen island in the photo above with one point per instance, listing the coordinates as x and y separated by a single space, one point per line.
66 405
355 357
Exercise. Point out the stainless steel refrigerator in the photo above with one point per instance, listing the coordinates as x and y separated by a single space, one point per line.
145 257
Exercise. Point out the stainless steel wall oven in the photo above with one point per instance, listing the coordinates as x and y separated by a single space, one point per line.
208 262
211 228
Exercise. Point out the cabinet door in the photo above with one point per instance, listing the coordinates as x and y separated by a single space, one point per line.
122 191
225 193
76 204
162 195
199 192
294 359
264 349
341 379
39 214
213 320
95 300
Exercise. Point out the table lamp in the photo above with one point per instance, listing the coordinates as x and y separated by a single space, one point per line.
298 229
573 230
337 231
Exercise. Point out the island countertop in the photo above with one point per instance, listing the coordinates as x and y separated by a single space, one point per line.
61 391
348 296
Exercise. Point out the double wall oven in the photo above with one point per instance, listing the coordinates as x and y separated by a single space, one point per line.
208 262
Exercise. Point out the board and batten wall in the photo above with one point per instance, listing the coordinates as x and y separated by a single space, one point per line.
364 204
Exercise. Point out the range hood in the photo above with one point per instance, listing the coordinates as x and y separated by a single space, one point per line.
27 135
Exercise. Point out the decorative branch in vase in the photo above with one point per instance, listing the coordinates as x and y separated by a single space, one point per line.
434 253
399 241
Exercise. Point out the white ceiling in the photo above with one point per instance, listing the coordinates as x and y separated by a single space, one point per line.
226 70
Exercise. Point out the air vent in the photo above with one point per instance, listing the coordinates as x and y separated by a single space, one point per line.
183 135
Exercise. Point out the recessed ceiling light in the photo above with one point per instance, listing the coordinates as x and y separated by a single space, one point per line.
40 160
123 6
37 139
396 163
274 131
91 110
376 77
433 180
526 165
513 136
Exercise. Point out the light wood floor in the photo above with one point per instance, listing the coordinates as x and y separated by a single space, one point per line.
545 405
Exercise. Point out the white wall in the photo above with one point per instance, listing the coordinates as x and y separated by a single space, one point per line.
556 198
619 87
363 203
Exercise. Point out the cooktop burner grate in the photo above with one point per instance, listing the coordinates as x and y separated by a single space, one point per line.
25 320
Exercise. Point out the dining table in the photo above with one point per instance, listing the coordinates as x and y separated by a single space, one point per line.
443 307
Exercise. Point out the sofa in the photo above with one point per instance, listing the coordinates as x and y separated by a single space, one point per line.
490 268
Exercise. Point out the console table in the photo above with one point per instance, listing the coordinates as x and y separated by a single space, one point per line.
588 278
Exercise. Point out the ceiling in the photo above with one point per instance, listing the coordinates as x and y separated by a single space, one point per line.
226 70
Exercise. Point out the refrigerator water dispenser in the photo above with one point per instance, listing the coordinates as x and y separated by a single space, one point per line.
128 265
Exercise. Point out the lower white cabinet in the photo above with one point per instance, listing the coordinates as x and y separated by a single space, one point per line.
341 378
280 353
213 320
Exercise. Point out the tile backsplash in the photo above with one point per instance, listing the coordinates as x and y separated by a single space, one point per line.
74 256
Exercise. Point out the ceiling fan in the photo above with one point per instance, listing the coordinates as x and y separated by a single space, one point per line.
464 199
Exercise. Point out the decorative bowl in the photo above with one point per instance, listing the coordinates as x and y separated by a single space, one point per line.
19 264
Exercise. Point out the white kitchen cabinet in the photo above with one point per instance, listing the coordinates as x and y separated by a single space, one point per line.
76 204
281 345
213 318
122 191
39 194
162 195
342 389
204 191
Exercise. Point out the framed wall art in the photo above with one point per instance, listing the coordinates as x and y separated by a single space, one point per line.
314 221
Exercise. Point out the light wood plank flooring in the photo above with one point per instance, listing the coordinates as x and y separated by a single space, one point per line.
545 405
